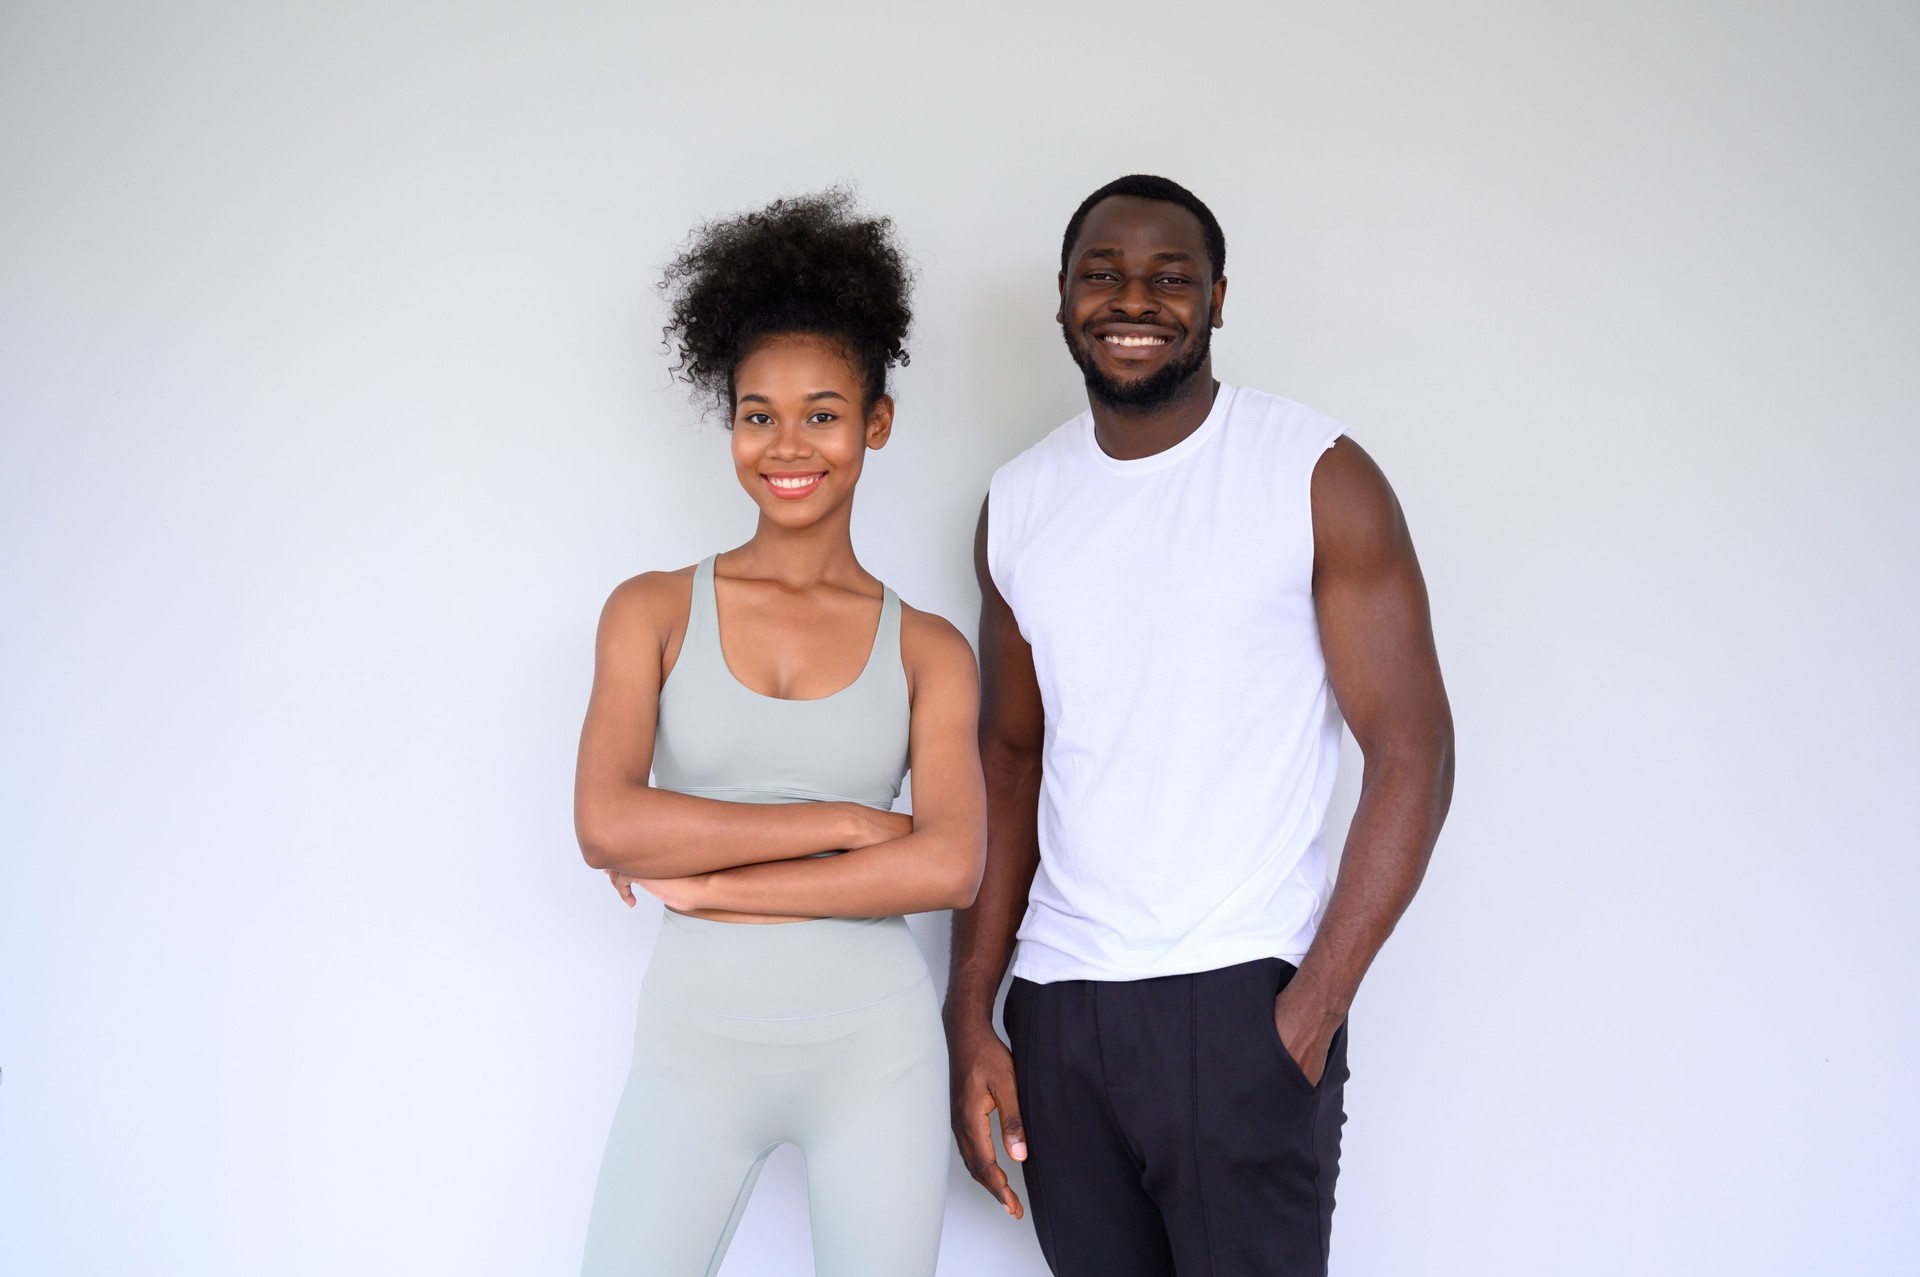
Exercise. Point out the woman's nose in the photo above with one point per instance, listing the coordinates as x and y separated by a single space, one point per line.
789 440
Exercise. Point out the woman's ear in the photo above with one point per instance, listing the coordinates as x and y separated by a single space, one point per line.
880 422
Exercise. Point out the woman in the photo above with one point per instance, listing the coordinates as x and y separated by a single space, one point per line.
777 692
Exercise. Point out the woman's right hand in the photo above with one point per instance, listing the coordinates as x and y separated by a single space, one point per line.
874 826
623 883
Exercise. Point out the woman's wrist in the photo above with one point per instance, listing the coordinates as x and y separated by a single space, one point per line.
850 826
871 825
863 828
695 891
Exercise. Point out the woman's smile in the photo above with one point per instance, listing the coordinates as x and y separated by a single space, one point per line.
791 485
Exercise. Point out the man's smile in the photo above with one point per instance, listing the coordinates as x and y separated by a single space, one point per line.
1132 343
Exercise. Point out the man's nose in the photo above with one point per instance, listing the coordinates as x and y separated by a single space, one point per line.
1135 298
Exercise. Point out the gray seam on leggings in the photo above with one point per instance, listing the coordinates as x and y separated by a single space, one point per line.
739 1209
788 1019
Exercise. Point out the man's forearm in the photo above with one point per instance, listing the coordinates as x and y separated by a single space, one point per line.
983 935
983 941
1403 801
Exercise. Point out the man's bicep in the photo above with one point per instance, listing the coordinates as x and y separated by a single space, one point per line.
1375 626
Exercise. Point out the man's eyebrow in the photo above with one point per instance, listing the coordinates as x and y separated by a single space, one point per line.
1168 255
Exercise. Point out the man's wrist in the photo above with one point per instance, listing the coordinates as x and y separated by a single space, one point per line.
1313 1000
967 1012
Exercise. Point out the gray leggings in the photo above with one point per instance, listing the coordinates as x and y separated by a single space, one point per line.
822 1034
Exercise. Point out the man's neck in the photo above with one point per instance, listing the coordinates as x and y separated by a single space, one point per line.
1128 436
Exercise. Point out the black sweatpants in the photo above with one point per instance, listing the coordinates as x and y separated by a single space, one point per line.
1169 1132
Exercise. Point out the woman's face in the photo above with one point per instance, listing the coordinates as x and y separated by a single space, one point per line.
800 435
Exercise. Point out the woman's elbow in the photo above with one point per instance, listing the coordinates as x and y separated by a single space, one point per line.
595 838
964 882
958 893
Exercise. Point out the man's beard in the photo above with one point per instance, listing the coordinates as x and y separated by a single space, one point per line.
1142 394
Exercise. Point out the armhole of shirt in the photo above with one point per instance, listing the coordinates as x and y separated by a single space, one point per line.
1331 433
996 535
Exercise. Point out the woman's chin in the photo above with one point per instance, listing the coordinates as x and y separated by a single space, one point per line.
795 515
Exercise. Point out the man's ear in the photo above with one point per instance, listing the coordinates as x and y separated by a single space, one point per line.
1220 302
1060 311
880 422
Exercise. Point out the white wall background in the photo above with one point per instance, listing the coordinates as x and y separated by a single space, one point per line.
332 410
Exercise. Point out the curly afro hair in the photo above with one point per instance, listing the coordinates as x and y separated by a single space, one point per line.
810 264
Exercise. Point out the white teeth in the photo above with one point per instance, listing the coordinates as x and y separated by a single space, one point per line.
1115 339
806 481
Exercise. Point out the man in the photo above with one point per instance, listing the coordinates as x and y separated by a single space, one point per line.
1183 591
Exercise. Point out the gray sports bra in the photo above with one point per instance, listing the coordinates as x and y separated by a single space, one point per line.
718 738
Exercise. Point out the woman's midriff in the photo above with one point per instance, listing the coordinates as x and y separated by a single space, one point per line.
825 966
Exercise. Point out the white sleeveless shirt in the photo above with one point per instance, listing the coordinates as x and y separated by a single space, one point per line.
1191 737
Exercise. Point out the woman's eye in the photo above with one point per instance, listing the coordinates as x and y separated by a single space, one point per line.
759 419
821 418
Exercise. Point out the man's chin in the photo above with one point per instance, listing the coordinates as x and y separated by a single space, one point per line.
1135 394
1143 391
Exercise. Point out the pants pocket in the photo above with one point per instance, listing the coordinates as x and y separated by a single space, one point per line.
1281 975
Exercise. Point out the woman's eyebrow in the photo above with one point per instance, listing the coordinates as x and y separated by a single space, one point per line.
818 394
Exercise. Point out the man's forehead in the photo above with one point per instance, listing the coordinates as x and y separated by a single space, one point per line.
1131 223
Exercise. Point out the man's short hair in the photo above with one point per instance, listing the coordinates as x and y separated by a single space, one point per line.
1147 187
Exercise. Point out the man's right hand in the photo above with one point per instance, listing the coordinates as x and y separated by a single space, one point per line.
981 1077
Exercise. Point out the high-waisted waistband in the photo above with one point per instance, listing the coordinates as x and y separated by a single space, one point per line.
782 970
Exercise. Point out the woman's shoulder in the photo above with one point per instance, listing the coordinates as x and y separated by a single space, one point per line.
933 646
650 601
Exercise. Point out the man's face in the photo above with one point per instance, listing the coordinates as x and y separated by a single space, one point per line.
1138 302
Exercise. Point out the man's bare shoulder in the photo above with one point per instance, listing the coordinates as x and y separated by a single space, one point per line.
1355 514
